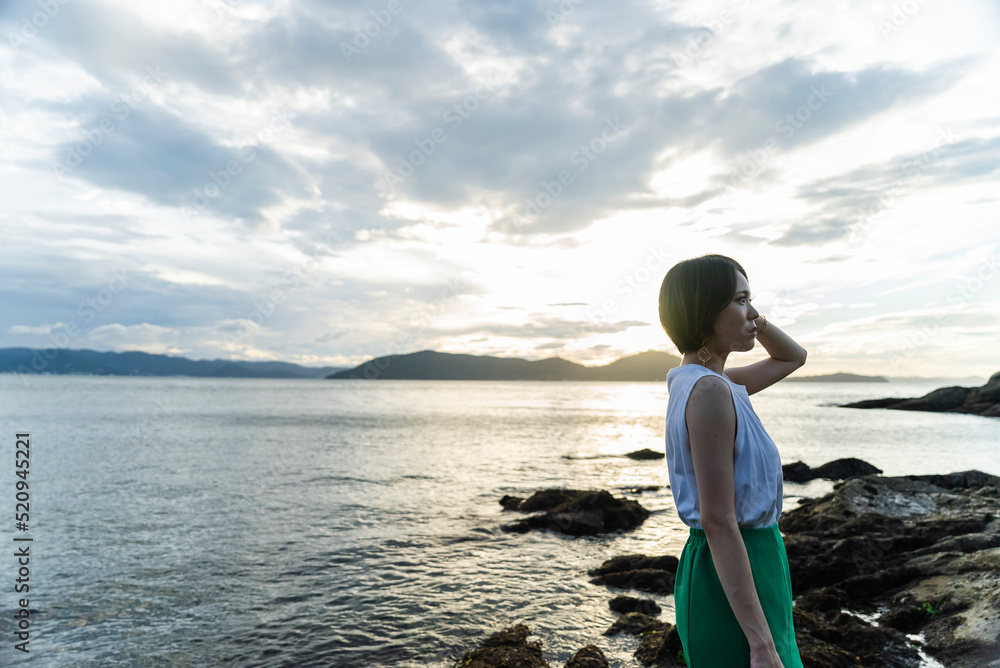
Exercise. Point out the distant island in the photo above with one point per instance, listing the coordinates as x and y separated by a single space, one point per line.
650 366
91 362
984 400
837 378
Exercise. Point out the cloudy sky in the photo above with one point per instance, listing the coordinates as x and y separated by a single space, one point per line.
323 182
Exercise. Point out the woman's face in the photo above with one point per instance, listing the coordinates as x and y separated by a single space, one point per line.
734 325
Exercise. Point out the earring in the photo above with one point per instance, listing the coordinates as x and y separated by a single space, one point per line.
703 354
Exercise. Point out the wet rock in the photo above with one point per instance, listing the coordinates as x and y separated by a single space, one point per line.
823 600
838 469
876 559
623 604
796 472
970 480
510 502
545 499
506 648
658 641
817 644
909 618
650 580
646 453
984 400
590 656
962 606
914 552
635 623
630 562
579 513
637 571
923 552
660 647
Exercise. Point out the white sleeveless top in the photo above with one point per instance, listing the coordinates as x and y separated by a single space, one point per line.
756 462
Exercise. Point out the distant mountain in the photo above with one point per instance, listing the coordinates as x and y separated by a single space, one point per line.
92 362
949 380
650 366
837 378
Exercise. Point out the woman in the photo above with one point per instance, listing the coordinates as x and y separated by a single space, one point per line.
733 592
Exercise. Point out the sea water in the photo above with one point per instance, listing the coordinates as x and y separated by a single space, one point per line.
258 522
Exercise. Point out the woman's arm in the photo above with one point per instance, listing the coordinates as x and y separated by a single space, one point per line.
711 421
778 344
785 357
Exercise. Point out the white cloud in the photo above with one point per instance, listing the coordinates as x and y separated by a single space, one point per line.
307 227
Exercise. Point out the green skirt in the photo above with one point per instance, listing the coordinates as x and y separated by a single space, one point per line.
710 634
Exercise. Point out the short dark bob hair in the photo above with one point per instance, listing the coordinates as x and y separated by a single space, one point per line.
692 294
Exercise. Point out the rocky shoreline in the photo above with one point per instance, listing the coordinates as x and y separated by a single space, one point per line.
983 400
885 571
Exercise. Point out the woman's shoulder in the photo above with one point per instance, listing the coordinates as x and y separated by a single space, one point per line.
711 393
698 369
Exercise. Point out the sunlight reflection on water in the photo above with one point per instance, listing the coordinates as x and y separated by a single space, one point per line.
293 522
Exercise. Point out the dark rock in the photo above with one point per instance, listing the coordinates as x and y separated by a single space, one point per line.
547 499
650 580
922 549
796 472
586 514
874 645
908 619
822 600
635 623
637 571
962 544
842 469
868 585
590 656
940 400
873 403
963 480
994 411
510 502
661 647
505 649
984 400
838 469
909 543
623 604
646 453
811 633
630 562
659 642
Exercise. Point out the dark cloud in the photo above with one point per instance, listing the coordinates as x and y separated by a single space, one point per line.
510 140
153 153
